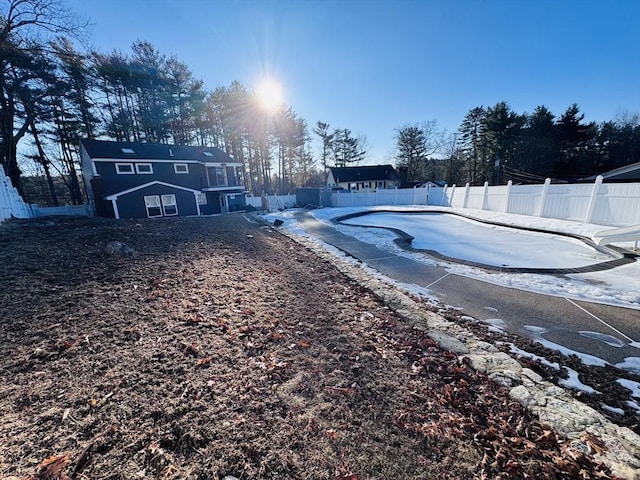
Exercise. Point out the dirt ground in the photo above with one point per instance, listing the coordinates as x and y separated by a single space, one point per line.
220 348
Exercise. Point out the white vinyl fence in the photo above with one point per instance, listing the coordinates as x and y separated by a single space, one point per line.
77 210
614 204
395 196
272 203
11 202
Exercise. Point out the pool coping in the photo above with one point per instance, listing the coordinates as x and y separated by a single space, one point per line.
621 255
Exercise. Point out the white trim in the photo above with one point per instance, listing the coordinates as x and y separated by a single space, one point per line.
140 164
157 204
164 204
221 189
173 160
197 204
116 212
123 164
145 185
222 164
176 165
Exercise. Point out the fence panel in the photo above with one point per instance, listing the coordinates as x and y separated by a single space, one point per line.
272 203
74 210
618 205
11 202
569 202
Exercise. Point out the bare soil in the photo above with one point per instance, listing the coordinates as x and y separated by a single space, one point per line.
221 348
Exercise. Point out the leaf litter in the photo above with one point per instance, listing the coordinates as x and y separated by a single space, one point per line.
219 348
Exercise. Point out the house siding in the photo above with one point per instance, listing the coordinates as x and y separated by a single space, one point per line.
212 206
209 171
162 171
131 205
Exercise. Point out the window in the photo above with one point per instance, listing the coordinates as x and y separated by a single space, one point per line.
353 186
124 169
128 151
380 184
169 205
181 168
144 168
152 202
207 154
202 199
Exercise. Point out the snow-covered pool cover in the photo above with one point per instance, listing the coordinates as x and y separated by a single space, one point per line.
465 239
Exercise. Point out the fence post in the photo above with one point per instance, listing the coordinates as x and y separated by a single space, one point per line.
395 192
352 198
453 192
485 194
444 195
414 195
543 197
508 197
465 202
594 198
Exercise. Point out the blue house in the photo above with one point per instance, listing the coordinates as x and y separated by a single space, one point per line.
145 180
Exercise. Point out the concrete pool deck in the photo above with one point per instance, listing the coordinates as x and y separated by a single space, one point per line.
562 318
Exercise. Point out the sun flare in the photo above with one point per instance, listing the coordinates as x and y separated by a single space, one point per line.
270 95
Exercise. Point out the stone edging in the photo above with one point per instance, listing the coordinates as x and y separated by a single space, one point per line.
550 403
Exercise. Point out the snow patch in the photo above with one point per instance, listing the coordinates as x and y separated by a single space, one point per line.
604 338
630 363
587 359
533 356
574 382
630 385
495 324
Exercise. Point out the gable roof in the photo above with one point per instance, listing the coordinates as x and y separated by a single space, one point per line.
364 174
153 151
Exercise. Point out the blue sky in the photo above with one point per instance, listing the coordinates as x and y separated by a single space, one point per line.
373 66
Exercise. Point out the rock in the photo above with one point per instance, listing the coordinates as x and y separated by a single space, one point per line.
447 342
118 248
277 222
521 395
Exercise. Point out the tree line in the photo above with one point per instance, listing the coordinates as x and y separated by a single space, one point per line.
496 144
53 94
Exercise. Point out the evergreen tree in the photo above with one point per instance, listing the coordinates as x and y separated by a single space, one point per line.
474 144
322 130
574 137
347 149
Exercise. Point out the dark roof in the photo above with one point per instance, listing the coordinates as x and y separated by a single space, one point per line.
364 174
153 151
627 173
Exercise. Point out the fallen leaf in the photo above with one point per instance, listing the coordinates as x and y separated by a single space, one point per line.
304 344
52 468
204 361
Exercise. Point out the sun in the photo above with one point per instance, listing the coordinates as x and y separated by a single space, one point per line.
270 95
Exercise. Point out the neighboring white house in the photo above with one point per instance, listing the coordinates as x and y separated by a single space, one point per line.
368 178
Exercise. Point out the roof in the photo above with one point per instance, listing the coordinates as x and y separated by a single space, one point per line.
364 174
626 173
153 151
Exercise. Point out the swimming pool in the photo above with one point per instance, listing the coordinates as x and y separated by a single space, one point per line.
459 238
